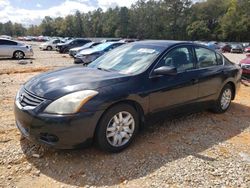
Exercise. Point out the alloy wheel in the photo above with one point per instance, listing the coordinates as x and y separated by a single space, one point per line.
19 55
226 98
120 129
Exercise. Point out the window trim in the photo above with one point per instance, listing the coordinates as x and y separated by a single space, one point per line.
215 56
223 59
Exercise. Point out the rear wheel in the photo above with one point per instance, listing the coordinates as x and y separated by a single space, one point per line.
49 48
223 102
18 55
117 128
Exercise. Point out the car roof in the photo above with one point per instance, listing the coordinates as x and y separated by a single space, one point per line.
164 43
7 39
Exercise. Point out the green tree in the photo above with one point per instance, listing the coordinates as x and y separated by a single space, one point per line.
198 30
47 26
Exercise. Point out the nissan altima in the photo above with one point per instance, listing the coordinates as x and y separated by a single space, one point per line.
110 99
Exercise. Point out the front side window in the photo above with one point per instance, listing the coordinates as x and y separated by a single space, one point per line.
181 58
205 57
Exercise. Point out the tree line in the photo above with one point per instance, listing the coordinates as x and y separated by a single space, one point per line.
225 20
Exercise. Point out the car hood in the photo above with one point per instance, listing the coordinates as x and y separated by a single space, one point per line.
61 44
78 48
88 51
58 83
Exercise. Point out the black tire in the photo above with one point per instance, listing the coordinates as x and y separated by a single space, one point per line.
49 48
66 50
101 131
18 55
218 104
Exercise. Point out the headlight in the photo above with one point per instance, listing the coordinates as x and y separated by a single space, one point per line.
90 58
70 103
79 55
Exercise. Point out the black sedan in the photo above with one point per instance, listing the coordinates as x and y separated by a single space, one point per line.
65 47
112 97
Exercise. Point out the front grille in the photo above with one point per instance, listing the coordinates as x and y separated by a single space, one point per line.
28 99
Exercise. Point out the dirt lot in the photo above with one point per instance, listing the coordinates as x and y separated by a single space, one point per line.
197 150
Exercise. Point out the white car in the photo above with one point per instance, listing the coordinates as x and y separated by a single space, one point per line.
50 45
14 49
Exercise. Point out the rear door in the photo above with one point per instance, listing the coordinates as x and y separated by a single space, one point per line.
210 68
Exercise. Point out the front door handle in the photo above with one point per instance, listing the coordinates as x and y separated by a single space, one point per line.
195 80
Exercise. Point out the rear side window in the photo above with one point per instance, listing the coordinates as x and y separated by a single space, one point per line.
82 41
7 42
219 59
56 41
205 57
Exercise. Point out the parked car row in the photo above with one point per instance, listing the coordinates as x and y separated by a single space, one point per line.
84 50
86 56
227 47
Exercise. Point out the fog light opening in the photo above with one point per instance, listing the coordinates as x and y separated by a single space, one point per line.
50 138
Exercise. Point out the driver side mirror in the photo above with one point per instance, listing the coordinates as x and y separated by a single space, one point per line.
166 70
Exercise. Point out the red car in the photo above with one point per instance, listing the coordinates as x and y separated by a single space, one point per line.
245 66
247 50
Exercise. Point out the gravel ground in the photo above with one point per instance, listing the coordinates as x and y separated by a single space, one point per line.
196 150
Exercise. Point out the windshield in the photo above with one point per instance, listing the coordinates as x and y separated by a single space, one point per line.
69 41
236 46
87 45
102 46
128 59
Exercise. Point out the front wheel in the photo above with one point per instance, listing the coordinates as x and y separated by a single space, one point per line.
117 128
223 102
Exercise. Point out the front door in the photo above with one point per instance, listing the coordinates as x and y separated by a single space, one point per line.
173 90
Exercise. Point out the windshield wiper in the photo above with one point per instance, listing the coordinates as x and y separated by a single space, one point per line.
100 68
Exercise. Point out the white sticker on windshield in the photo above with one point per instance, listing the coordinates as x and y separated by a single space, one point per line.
146 50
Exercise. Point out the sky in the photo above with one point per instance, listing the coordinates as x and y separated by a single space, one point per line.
30 12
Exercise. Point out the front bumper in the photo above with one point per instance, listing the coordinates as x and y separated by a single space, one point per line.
245 72
236 51
78 61
58 131
72 53
29 54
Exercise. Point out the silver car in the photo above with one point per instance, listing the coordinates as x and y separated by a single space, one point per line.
50 45
14 49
